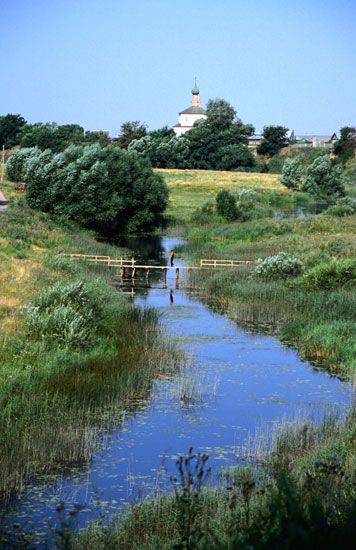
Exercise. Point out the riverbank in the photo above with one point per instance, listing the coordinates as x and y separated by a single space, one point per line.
301 495
75 355
318 318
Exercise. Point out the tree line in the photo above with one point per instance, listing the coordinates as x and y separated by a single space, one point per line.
218 142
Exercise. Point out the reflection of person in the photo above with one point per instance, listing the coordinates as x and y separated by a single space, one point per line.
171 257
171 299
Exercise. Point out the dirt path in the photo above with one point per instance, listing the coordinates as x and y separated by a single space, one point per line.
3 201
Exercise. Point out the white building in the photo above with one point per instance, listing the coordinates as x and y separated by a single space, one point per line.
189 116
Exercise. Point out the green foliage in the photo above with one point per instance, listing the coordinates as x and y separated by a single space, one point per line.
218 143
350 171
324 179
130 131
105 188
345 147
274 139
331 275
292 173
346 206
15 166
302 495
278 266
10 125
99 136
226 205
68 315
235 156
220 114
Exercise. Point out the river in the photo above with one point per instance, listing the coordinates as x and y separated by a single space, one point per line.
237 383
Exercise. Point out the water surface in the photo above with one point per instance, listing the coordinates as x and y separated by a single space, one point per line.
236 382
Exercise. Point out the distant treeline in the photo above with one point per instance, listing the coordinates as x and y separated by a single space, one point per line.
218 143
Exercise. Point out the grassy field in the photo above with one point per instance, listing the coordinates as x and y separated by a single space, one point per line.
190 189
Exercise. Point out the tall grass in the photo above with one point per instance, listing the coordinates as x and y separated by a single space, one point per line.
301 496
319 318
75 355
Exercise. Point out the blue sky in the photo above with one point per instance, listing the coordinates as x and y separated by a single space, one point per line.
100 63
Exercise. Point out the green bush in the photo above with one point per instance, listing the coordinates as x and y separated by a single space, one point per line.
16 164
206 214
324 178
226 205
331 275
105 188
340 210
278 266
346 206
292 173
64 314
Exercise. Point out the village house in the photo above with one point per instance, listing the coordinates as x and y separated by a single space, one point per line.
315 141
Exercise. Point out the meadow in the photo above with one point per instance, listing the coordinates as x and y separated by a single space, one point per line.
190 189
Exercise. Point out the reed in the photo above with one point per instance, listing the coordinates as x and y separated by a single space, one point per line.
301 495
319 321
76 357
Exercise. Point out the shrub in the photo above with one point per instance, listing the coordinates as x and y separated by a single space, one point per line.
278 266
65 314
105 188
331 275
292 173
16 164
346 206
226 205
324 178
206 214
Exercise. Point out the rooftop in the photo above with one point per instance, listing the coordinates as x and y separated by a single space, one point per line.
193 111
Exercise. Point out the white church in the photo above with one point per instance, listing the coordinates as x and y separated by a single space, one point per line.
189 116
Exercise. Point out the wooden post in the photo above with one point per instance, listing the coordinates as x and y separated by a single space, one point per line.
133 274
3 164
122 272
177 276
165 276
148 276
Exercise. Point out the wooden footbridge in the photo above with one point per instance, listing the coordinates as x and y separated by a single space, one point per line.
130 266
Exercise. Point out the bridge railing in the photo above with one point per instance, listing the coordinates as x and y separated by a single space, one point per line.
224 263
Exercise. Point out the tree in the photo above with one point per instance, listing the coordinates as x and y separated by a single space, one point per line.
220 114
105 188
292 173
235 156
226 205
69 133
324 178
16 164
129 131
345 147
39 135
97 136
274 139
10 126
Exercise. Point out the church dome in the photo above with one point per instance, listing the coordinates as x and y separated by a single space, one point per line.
195 90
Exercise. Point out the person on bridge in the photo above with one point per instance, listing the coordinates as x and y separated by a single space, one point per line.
171 257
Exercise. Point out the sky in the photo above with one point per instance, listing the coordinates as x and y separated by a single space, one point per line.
101 63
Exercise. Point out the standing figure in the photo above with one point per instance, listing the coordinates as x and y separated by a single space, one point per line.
171 257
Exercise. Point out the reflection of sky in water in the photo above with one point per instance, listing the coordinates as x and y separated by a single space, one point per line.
236 382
